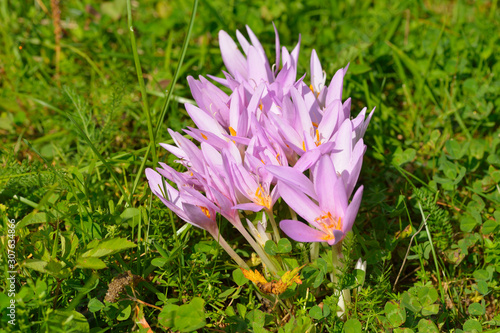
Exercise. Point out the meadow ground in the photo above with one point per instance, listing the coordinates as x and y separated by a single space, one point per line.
94 251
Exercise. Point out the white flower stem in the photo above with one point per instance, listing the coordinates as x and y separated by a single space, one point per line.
314 250
230 251
263 256
276 231
292 214
344 295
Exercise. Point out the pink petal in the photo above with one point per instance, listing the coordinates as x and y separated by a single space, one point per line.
293 177
233 59
352 211
299 202
325 180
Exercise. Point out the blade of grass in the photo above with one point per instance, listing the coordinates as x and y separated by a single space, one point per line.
179 65
424 219
138 69
167 101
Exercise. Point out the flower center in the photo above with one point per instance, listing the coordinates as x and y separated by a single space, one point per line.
205 211
262 198
328 224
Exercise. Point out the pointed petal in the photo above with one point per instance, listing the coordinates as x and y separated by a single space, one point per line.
307 160
329 121
258 72
335 87
352 211
243 42
233 59
317 77
277 44
324 183
249 206
293 177
299 202
301 232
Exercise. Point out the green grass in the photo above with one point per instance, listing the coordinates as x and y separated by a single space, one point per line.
78 126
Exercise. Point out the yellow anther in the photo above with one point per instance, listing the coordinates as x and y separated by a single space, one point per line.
318 142
232 131
204 136
262 198
205 211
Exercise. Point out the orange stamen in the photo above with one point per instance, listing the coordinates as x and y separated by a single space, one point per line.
262 198
328 224
205 211
318 142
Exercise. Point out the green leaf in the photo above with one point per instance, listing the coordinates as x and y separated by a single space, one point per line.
95 305
319 279
316 312
395 313
401 157
326 310
482 287
476 309
411 302
256 317
223 296
109 246
159 262
467 223
242 310
190 317
352 326
52 267
430 310
489 227
472 326
284 246
427 295
359 69
322 264
239 278
132 216
114 9
360 276
403 330
32 218
91 263
125 313
271 248
70 321
455 150
427 326
481 274
167 315
4 301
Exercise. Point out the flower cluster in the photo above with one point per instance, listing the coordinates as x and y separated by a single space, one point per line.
273 136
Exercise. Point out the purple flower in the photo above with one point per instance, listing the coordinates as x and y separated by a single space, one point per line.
190 206
326 208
